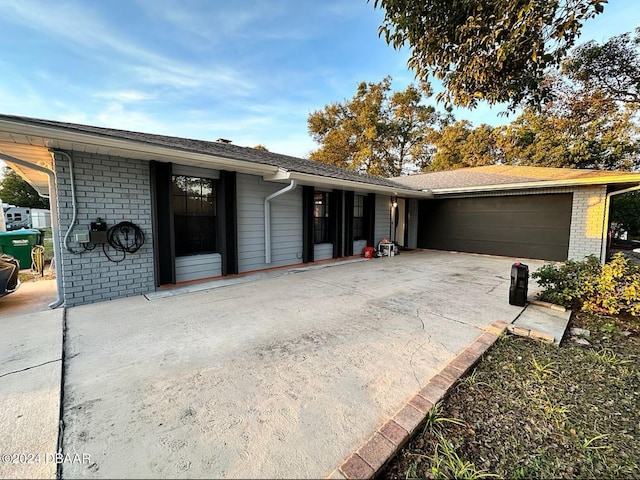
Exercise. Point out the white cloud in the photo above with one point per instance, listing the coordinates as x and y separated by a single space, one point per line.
125 95
81 27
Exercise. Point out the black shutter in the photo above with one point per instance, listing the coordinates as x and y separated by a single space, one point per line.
227 222
335 205
370 218
162 217
307 224
348 223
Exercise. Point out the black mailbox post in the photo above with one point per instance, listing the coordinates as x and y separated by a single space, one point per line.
519 284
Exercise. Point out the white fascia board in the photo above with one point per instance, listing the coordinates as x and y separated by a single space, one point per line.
581 182
329 182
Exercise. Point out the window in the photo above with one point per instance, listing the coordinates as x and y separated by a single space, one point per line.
358 217
194 215
321 217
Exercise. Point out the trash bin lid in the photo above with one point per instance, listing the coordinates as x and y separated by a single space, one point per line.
20 232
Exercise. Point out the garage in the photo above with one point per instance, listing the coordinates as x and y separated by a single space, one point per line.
525 226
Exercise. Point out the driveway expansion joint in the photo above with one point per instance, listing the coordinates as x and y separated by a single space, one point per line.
368 460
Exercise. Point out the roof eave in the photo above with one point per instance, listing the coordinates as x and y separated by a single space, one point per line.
330 182
580 182
51 134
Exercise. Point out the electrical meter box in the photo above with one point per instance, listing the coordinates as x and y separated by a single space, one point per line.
98 232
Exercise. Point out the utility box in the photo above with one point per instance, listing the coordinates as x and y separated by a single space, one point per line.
18 244
519 284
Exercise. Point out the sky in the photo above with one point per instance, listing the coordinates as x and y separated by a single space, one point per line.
248 70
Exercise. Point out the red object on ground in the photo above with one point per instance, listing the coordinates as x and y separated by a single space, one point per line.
368 252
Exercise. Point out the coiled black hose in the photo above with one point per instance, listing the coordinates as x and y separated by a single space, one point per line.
125 237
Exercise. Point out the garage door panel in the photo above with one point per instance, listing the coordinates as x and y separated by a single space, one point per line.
531 226
523 235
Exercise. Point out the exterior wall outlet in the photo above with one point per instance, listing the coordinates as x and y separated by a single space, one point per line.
82 237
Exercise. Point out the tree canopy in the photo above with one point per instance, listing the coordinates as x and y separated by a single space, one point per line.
611 69
376 132
493 50
14 190
591 121
460 145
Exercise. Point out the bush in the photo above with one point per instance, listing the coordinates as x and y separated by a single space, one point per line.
613 288
564 284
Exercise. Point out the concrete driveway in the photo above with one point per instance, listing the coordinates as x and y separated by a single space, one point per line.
281 377
30 371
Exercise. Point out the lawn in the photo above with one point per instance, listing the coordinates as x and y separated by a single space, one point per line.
532 410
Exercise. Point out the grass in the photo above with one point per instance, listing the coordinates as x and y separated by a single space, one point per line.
533 410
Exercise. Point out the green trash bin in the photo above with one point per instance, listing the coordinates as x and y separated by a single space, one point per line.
19 243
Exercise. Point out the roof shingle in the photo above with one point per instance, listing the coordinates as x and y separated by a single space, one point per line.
500 175
220 149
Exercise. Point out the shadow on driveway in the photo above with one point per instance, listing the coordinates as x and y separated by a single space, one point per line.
282 377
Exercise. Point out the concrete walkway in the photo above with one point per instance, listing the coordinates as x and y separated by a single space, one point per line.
30 371
282 377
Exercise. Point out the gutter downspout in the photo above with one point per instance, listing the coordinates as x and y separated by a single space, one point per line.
53 206
267 218
605 228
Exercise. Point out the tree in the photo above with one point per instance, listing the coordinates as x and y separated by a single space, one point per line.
611 69
460 145
591 121
625 212
493 50
588 134
14 190
376 132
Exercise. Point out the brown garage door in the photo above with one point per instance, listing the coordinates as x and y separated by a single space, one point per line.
527 226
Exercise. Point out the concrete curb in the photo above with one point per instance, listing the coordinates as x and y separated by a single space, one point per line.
552 306
369 459
531 333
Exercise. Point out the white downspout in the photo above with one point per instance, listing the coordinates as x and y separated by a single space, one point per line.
55 233
73 198
267 219
605 228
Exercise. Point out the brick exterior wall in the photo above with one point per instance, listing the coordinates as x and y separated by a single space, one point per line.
587 222
114 189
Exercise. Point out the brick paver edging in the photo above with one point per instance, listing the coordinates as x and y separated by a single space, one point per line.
369 459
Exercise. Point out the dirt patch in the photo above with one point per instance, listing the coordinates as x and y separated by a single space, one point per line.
531 410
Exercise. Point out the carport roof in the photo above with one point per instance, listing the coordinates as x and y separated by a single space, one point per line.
30 139
509 177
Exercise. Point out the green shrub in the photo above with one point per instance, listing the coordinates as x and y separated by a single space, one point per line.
612 288
615 290
564 284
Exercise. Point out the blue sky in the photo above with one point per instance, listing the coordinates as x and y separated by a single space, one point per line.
248 70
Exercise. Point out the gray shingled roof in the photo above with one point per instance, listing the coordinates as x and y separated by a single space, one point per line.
501 175
292 164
